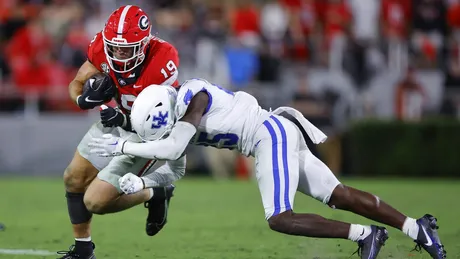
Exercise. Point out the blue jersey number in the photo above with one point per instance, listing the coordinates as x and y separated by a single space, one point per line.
224 140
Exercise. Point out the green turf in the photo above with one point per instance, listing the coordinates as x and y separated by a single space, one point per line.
215 220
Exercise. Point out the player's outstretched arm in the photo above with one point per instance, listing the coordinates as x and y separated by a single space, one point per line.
170 148
86 71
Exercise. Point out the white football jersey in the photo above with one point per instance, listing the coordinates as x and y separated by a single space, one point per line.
230 120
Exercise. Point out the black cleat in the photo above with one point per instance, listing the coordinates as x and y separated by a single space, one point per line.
428 238
72 253
369 247
158 209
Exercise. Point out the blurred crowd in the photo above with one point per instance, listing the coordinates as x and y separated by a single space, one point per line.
334 60
242 44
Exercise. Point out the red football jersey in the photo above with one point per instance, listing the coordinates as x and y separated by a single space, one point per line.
160 67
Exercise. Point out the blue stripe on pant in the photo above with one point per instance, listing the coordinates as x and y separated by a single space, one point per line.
285 162
275 166
276 176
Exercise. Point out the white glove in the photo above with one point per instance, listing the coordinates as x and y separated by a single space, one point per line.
106 146
131 183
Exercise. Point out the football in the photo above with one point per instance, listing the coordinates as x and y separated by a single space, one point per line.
102 83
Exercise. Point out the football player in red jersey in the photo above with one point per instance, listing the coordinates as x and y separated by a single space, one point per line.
134 59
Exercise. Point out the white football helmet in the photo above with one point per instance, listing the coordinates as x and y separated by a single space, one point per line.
152 114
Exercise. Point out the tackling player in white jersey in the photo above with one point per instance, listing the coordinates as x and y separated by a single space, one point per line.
202 113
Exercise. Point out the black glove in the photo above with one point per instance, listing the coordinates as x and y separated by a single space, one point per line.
89 100
111 117
97 90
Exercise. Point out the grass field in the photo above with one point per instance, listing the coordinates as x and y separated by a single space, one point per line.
215 220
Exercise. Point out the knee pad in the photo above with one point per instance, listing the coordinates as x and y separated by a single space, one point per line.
78 212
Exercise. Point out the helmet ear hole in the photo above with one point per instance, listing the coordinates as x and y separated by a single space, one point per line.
159 104
148 117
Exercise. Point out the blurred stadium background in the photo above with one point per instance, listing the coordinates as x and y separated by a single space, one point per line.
380 77
338 61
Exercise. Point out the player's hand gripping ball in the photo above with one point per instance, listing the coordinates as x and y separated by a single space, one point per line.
97 90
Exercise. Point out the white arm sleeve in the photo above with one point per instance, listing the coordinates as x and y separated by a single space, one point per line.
166 174
170 148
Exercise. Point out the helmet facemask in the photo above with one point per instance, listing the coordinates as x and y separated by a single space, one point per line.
122 56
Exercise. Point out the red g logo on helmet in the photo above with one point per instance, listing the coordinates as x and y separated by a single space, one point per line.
126 37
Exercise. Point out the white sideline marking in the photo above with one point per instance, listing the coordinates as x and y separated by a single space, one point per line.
25 252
